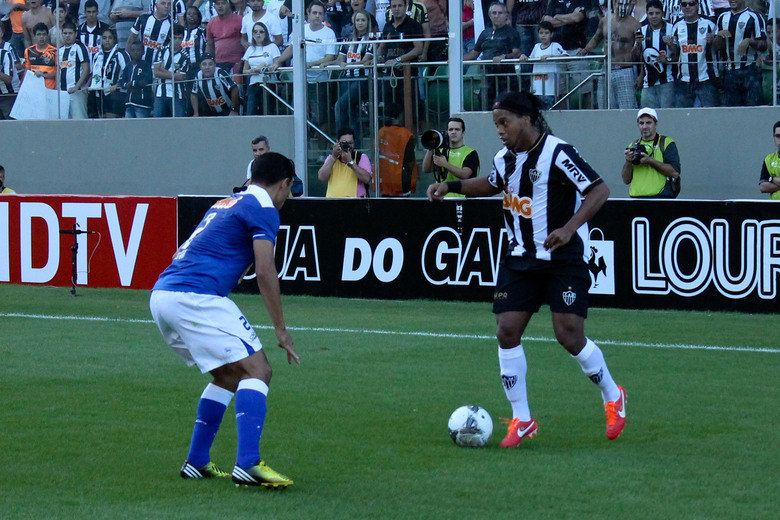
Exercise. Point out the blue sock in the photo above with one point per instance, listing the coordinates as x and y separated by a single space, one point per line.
211 407
250 416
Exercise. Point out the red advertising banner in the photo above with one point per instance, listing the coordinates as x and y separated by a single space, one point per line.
121 241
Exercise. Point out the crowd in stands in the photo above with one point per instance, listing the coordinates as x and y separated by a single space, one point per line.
115 58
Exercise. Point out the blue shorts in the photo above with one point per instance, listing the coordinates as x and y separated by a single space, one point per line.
523 285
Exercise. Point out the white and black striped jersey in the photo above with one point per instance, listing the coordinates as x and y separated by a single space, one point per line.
177 9
194 44
8 68
542 190
354 54
697 59
653 47
153 33
91 37
71 59
215 91
6 46
745 24
108 68
673 10
180 63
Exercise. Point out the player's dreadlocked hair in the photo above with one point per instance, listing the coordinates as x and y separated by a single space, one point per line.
271 168
524 104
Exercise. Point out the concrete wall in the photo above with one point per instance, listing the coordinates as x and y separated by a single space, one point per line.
135 156
721 150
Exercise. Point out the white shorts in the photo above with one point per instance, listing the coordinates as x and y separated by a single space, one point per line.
205 330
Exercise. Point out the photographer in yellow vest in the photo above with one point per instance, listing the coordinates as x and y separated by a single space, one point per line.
652 166
347 171
452 160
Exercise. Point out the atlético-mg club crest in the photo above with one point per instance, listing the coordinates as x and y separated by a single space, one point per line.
534 174
569 297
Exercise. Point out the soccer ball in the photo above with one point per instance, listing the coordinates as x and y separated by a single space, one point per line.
470 426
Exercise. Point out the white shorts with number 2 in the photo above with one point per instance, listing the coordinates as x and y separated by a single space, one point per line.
205 330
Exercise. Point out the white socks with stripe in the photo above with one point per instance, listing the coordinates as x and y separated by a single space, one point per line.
591 359
513 369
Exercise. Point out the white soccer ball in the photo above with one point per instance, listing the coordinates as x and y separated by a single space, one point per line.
470 426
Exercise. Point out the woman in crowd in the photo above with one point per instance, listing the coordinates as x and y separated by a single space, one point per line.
259 55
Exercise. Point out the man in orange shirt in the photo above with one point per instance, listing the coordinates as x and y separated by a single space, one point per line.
41 58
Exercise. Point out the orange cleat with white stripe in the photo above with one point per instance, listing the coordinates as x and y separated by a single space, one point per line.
616 415
517 431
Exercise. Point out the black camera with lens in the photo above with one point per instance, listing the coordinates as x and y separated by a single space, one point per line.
345 146
433 140
637 149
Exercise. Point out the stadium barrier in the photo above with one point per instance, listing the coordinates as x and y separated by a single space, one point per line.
677 254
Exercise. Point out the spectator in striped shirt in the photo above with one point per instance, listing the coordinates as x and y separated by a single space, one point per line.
194 42
90 33
154 30
740 41
652 48
9 79
168 103
693 47
74 71
108 67
214 92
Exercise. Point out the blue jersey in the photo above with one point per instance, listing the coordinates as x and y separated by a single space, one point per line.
220 250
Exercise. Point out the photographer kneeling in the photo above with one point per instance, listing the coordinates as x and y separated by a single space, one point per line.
447 157
652 165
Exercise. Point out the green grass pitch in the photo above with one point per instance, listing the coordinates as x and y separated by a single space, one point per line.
97 414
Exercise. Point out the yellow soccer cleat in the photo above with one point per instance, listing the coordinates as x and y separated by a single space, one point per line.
260 475
210 470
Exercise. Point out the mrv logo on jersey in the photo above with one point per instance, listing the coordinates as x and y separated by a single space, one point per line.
692 257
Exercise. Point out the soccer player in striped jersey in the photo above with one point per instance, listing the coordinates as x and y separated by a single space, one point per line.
190 305
543 180
74 71
693 49
656 78
740 41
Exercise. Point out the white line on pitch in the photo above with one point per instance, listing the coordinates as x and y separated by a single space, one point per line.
410 333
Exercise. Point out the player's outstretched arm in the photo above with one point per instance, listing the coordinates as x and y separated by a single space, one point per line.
268 283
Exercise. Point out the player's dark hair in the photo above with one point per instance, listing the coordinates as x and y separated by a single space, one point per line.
69 25
457 120
90 3
40 27
545 25
261 138
773 129
523 104
654 3
110 30
271 168
314 2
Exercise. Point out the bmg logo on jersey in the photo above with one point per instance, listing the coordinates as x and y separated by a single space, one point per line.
521 206
601 263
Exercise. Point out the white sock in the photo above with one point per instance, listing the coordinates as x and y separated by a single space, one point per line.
513 369
591 359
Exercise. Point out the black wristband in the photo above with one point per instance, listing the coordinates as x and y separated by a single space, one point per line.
454 186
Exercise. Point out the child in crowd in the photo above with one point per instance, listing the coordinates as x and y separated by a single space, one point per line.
545 80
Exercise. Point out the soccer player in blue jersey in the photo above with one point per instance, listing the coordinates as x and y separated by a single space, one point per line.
543 180
190 306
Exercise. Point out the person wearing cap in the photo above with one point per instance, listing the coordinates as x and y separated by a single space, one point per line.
549 195
652 167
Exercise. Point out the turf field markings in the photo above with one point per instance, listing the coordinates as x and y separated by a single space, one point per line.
409 333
